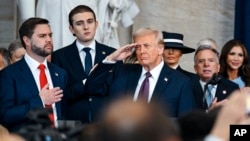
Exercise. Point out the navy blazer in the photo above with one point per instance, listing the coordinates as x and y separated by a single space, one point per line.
19 93
187 73
172 91
224 88
77 105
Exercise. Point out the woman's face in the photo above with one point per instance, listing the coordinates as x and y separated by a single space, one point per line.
17 55
235 58
172 56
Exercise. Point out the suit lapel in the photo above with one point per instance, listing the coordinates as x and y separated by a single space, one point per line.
57 82
55 77
163 80
27 77
133 79
198 92
100 53
74 60
221 92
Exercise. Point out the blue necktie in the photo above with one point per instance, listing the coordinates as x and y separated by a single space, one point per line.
209 96
144 90
88 60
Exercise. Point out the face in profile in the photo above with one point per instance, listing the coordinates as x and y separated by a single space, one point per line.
235 58
206 64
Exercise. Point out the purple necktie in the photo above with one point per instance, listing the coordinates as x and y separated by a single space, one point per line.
144 90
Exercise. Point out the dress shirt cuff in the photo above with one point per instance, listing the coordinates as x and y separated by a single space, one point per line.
211 137
84 81
106 61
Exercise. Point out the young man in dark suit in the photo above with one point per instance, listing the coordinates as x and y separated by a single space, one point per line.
20 83
150 80
83 25
209 89
173 51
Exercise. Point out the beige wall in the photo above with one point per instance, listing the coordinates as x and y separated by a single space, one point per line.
196 19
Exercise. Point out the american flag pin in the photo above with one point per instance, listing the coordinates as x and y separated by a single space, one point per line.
165 79
224 92
56 74
103 52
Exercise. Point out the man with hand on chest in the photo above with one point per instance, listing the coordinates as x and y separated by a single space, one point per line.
31 82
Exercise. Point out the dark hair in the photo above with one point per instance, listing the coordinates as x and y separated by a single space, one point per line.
28 26
79 9
244 69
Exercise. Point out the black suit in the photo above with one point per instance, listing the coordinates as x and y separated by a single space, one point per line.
172 90
77 105
224 89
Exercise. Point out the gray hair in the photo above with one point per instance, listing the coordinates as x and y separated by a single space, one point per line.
14 45
206 47
208 41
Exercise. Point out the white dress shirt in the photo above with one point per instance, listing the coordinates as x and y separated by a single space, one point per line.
152 80
83 54
33 65
213 91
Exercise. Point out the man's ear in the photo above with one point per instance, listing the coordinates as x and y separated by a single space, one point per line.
96 23
71 29
218 68
26 40
195 68
161 49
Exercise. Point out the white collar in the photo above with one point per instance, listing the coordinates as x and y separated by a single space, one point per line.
81 46
175 67
155 72
32 63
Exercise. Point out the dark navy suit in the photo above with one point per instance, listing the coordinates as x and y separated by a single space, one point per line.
224 89
172 90
77 105
19 93
189 74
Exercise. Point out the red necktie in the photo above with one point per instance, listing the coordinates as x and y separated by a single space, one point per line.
43 81
42 76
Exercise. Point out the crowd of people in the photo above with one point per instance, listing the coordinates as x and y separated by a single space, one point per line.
136 92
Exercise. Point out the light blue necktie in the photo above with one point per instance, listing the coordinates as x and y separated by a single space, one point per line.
209 96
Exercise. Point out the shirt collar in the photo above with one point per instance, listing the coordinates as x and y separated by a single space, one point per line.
175 67
81 46
155 72
204 83
32 63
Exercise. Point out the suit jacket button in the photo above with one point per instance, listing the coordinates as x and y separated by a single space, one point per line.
90 99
